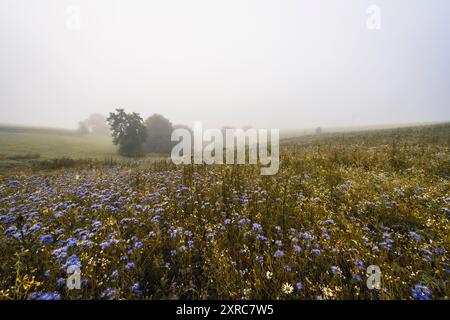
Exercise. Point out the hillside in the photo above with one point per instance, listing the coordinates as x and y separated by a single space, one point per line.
21 145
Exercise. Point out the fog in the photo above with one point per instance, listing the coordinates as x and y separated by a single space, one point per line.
266 63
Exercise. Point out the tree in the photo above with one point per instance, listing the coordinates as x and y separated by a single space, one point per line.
97 125
159 131
128 132
82 128
318 130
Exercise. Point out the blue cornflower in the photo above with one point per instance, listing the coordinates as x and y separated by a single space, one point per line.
138 245
71 242
360 264
242 222
10 231
421 292
72 261
357 277
136 289
115 274
35 227
61 282
39 295
414 235
278 254
261 237
96 224
335 270
256 227
60 254
108 293
47 239
306 236
123 258
105 245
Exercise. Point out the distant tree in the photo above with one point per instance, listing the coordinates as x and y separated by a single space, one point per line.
97 124
318 130
159 131
128 132
82 128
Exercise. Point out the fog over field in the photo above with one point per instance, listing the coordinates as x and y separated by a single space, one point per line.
224 150
285 64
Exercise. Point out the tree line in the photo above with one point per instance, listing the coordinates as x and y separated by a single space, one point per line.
134 136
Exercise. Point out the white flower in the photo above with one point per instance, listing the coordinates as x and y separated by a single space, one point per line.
287 288
247 293
268 275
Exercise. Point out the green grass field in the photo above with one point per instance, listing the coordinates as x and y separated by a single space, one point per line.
22 146
55 146
20 149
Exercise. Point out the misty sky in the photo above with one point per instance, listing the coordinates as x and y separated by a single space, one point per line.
267 63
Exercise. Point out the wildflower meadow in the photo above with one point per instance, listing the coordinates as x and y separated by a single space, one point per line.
155 230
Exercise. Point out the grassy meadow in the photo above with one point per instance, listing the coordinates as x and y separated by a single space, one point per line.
19 147
27 149
152 230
